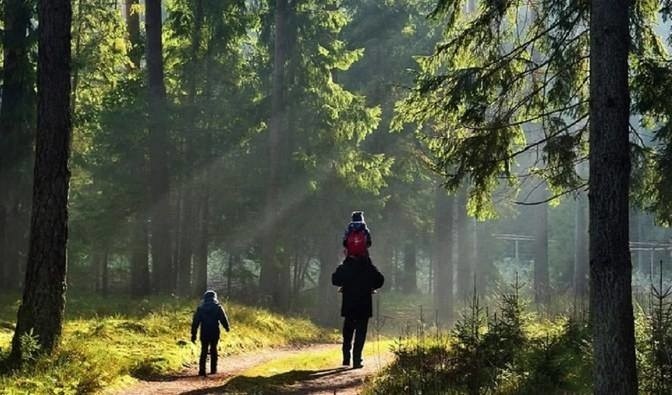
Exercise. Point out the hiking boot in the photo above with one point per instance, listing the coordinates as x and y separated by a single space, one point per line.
201 373
357 364
346 358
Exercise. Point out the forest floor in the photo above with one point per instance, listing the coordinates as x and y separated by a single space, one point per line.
313 369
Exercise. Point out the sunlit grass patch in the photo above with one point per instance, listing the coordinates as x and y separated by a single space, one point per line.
329 358
273 376
107 342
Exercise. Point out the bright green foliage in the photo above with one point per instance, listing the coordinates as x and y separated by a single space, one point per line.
107 152
505 353
108 341
393 33
654 325
650 86
508 86
327 122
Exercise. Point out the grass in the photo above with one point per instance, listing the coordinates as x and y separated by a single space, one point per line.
273 376
552 359
508 350
316 360
109 342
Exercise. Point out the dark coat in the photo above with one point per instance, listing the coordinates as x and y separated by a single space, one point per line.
359 278
208 316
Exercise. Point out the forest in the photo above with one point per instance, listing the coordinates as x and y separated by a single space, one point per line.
512 160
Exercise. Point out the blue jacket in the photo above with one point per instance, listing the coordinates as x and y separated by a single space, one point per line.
208 316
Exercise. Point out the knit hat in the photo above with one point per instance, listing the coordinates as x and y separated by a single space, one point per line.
358 216
210 295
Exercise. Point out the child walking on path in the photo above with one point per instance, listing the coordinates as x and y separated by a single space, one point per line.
208 316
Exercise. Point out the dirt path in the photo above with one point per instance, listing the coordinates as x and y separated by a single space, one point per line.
289 379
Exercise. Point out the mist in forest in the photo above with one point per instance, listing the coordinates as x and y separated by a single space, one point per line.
232 158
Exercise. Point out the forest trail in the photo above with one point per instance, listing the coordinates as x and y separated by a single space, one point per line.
313 369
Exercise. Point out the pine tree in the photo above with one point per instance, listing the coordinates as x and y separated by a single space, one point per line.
611 311
41 310
489 95
162 263
17 129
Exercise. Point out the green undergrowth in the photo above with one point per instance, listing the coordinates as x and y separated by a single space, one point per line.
109 342
511 348
505 351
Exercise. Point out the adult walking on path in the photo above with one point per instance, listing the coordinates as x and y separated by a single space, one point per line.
358 279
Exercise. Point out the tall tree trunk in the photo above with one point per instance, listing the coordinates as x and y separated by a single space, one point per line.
476 257
158 145
184 263
382 255
443 255
410 276
185 250
43 301
233 260
271 269
540 215
201 245
140 274
641 236
328 256
140 284
101 262
611 314
17 115
581 248
5 278
133 28
465 280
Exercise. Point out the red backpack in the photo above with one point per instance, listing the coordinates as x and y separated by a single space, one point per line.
356 243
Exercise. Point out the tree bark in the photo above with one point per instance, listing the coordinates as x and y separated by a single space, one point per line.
5 278
611 314
188 228
581 248
101 262
271 266
540 218
140 283
158 145
43 302
201 245
443 256
17 116
328 256
185 251
410 279
140 273
463 242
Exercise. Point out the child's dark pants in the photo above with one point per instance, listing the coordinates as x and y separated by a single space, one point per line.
356 327
205 345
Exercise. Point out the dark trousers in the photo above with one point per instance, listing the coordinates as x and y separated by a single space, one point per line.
205 345
356 327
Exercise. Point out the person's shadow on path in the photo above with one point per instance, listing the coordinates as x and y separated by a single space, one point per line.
275 384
